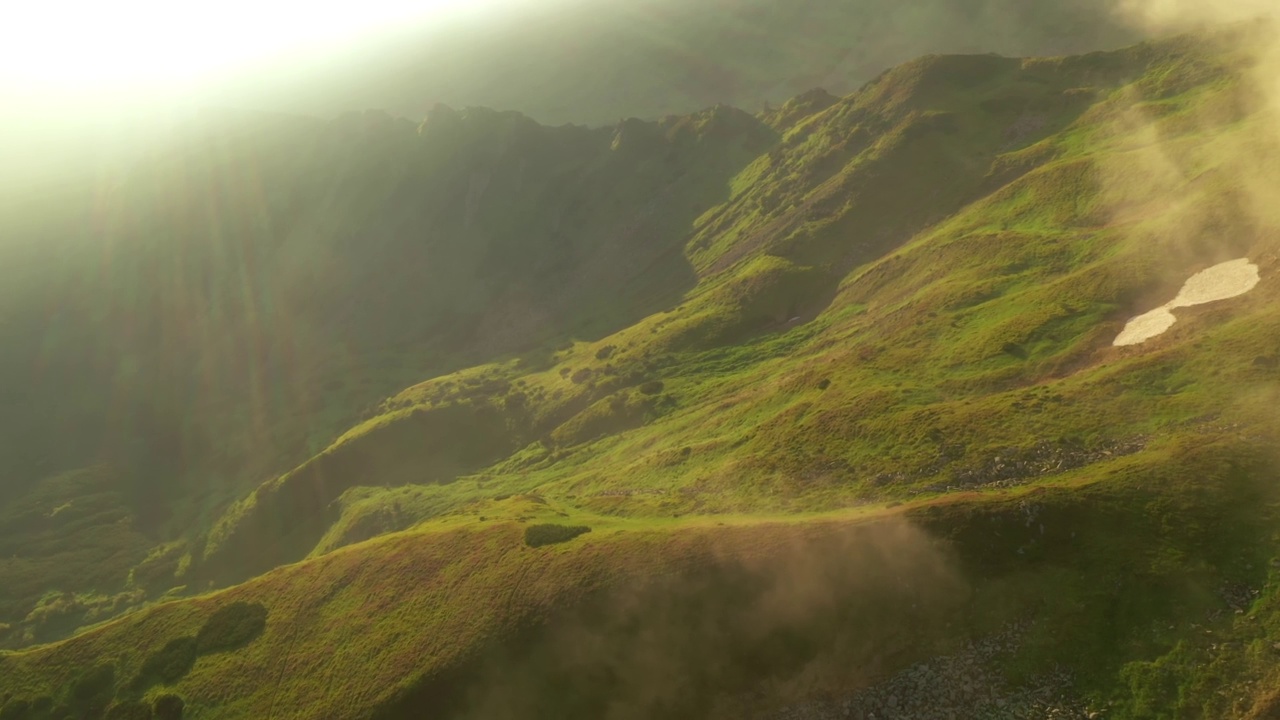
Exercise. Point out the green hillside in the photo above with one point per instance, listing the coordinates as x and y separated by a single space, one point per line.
229 307
719 415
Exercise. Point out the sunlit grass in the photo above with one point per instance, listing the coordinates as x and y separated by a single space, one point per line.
899 295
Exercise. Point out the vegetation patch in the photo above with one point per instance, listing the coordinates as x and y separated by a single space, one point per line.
91 692
168 707
231 627
15 709
129 710
172 662
551 534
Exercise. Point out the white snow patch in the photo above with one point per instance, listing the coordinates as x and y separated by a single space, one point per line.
1145 326
1220 282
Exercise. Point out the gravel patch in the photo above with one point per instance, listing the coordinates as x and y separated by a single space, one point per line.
965 686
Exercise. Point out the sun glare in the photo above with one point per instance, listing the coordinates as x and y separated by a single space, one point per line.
54 45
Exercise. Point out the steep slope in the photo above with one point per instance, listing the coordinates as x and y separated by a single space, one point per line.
225 309
777 270
969 137
880 416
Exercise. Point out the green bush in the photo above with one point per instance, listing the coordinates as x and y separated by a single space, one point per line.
172 662
550 533
129 710
1015 350
515 401
90 693
231 627
169 707
652 387
15 709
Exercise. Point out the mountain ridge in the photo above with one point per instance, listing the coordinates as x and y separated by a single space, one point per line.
894 304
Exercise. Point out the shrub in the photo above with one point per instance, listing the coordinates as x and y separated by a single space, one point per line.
550 534
172 662
515 401
169 707
824 384
653 387
90 693
231 627
129 710
15 709
605 352
1015 350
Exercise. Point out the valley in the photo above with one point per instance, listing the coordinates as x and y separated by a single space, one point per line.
813 412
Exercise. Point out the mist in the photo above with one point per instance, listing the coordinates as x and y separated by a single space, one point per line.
81 99
589 62
732 633
1200 184
595 62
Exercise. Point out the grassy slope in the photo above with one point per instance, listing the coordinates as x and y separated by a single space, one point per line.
228 307
931 348
984 315
1128 563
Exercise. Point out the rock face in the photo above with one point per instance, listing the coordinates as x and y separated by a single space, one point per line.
964 686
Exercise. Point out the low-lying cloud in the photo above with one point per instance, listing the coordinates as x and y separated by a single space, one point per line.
823 613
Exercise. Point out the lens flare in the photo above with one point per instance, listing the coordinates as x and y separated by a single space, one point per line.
86 44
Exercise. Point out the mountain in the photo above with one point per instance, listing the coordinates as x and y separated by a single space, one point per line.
799 414
590 62
236 301
596 61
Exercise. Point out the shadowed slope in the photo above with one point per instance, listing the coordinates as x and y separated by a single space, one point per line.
224 309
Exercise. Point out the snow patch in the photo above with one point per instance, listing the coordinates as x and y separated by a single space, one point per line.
1220 282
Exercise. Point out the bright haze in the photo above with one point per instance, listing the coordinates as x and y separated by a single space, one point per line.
72 49
80 78
81 74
